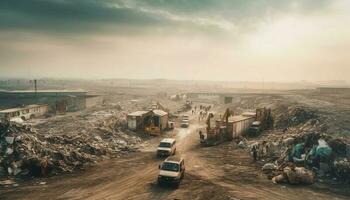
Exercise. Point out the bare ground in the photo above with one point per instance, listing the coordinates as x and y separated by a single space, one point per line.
220 172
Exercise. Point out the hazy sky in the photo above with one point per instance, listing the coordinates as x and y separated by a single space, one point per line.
277 40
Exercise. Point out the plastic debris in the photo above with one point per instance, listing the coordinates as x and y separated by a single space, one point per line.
24 151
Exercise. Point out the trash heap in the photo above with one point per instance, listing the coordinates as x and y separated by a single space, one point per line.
300 158
299 151
24 151
293 115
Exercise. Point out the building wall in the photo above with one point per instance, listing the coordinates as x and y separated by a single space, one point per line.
164 121
136 123
74 101
92 101
28 113
132 123
241 127
42 110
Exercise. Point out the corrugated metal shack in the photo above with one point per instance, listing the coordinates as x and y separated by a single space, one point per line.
162 117
139 120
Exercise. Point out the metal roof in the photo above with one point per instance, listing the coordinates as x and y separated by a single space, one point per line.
138 113
160 112
21 108
143 112
249 114
238 118
45 91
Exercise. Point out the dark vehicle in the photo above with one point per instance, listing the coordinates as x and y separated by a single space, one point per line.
255 128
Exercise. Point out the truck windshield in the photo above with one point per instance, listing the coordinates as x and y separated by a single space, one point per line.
164 144
170 167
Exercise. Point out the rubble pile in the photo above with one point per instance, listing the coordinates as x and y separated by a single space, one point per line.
322 153
26 151
299 151
287 116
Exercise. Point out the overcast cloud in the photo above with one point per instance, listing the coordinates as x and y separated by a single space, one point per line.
178 39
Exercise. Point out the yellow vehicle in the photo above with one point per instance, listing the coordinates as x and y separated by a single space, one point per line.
152 130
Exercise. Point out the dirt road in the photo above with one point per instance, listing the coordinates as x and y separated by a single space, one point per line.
221 172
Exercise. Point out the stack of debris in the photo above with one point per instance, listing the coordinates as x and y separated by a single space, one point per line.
299 149
293 116
24 151
322 153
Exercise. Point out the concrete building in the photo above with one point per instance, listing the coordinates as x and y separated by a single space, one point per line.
24 113
59 101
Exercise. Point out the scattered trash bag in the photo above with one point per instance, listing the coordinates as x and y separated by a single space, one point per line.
288 141
298 150
295 175
279 179
269 166
323 151
311 157
341 167
242 144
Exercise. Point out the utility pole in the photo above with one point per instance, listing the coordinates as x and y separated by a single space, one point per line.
35 87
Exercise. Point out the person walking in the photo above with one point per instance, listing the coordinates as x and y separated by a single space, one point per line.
255 153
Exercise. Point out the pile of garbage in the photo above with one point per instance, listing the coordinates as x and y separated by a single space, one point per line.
287 116
300 157
295 175
25 151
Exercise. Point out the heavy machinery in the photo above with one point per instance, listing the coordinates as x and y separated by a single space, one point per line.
151 128
220 131
262 122
225 127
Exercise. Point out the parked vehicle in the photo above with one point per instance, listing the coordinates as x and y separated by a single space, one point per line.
167 147
185 121
172 171
185 117
255 128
